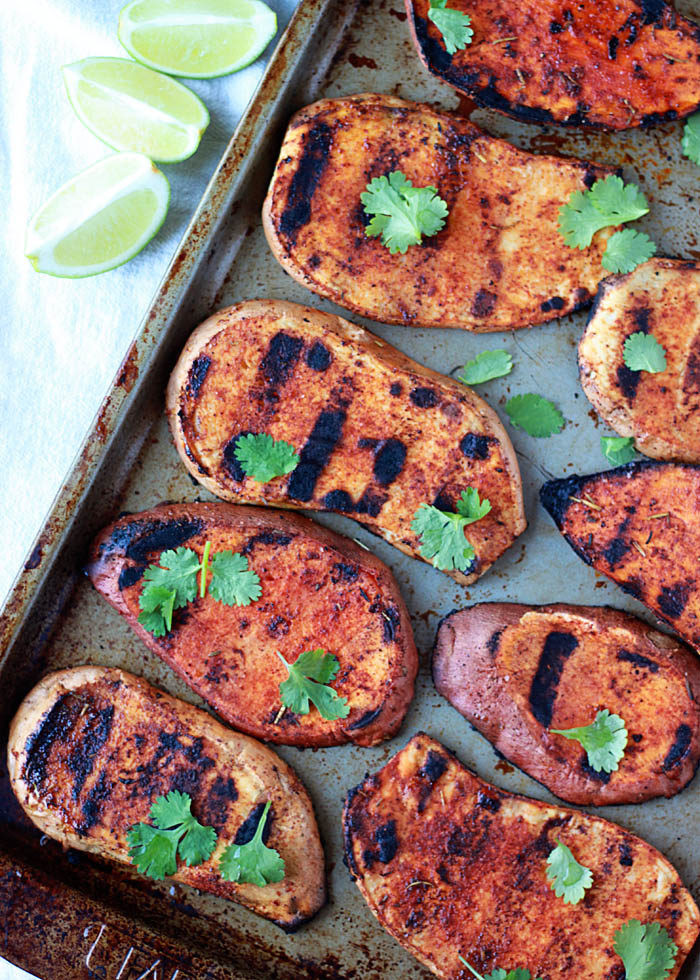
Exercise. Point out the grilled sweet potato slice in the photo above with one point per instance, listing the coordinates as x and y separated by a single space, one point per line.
608 64
515 672
661 411
319 590
453 866
499 262
378 433
91 748
638 524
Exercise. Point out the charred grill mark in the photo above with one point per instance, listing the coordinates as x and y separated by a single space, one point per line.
673 600
483 304
387 845
389 461
432 769
653 11
316 453
680 747
443 502
339 500
91 808
55 726
641 316
691 376
344 573
130 575
557 649
98 725
628 381
178 762
281 358
626 859
486 802
366 719
475 447
599 777
555 303
639 661
162 536
424 397
390 622
197 374
613 44
493 642
618 546
213 811
246 831
308 173
230 463
266 537
318 358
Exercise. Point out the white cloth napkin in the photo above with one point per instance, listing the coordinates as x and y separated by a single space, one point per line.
62 339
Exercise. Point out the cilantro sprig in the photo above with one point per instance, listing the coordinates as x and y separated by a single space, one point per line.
402 213
264 458
643 352
486 366
441 533
308 682
568 878
604 740
452 24
173 583
253 863
691 138
609 202
174 831
647 951
618 449
499 973
536 415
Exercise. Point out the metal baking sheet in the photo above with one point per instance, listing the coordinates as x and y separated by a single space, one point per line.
55 619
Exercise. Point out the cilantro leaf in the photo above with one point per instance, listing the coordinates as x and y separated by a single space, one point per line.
232 582
157 609
486 366
626 250
618 449
643 352
253 863
402 213
608 202
535 414
691 138
307 682
569 878
154 847
452 24
604 740
442 533
167 588
647 951
499 973
263 458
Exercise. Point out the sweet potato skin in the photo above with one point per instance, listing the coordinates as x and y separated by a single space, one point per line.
451 865
661 411
319 590
516 671
615 64
378 433
499 263
637 524
91 748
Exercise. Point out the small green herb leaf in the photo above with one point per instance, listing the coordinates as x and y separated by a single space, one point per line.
618 449
402 213
442 533
232 582
608 202
452 24
643 352
627 249
569 878
254 862
535 414
166 588
263 458
604 740
486 366
691 138
498 973
647 951
156 614
154 847
308 682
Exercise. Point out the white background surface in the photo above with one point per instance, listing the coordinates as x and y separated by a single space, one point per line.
63 340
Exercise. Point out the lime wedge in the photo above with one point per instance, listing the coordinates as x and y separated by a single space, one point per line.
99 219
196 38
133 108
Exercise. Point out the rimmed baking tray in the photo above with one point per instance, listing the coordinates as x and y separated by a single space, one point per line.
67 915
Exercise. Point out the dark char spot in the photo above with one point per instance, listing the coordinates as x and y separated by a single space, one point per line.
389 461
639 661
138 539
366 719
557 649
390 620
613 45
214 812
278 626
475 447
395 389
246 831
493 642
344 573
92 804
487 802
266 537
653 11
672 601
339 500
434 766
130 575
628 381
618 546
231 464
626 859
679 748
280 359
424 397
370 503
197 374
313 162
97 726
555 303
316 453
387 843
641 318
599 777
319 357
555 27
56 725
483 304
